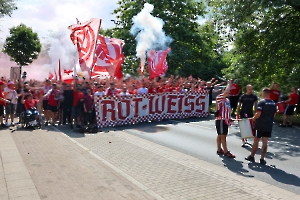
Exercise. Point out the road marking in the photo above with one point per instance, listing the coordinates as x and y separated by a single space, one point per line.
191 124
129 178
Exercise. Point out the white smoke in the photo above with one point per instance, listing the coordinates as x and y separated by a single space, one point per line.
150 34
58 46
62 48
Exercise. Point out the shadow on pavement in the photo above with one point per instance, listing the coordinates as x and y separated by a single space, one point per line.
285 140
277 174
235 166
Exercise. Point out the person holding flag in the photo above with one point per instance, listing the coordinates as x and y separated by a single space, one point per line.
223 121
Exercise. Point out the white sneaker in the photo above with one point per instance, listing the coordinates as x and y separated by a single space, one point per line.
12 124
6 124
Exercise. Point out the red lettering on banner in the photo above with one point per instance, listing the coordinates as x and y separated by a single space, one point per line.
136 107
180 98
200 104
187 103
156 107
112 110
127 109
171 103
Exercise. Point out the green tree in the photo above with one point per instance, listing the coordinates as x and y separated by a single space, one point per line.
192 51
7 7
22 45
266 40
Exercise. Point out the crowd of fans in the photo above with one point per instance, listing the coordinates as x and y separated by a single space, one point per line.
62 103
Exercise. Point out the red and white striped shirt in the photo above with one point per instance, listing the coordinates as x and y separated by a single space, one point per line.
223 108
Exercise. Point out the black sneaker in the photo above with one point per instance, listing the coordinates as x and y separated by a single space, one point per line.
250 158
59 123
244 144
46 124
282 125
290 125
262 162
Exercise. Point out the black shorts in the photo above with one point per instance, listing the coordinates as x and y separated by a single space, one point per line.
1 110
45 104
222 127
260 134
289 110
52 108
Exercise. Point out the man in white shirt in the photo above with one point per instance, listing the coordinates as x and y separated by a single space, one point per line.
11 95
124 91
100 92
143 90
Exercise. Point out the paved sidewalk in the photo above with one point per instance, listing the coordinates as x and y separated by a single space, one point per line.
15 181
117 165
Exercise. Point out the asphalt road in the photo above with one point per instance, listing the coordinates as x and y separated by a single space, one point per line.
197 137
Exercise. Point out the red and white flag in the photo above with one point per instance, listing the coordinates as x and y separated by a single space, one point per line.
109 57
51 76
157 63
85 35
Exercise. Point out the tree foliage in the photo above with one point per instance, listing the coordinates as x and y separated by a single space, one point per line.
266 39
22 45
7 7
192 47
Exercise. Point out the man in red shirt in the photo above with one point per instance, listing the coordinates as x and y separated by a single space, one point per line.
3 102
78 101
275 93
53 98
235 91
111 91
291 104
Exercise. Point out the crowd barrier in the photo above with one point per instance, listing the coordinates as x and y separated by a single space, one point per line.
126 110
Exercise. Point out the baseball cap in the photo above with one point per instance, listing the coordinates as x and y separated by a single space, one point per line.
11 83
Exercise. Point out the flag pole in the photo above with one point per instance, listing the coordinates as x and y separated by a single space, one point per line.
92 67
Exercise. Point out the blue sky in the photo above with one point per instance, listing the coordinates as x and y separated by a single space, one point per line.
45 15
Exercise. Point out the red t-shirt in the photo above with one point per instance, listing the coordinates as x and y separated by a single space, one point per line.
161 90
235 89
294 98
111 92
172 89
30 104
52 101
2 103
274 95
152 91
132 92
77 95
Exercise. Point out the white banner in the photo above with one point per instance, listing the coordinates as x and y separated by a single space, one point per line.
123 110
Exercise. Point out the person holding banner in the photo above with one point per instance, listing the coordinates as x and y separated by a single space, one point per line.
291 105
223 121
263 119
245 106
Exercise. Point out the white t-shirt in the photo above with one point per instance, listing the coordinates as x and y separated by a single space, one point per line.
124 94
99 94
10 94
142 91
